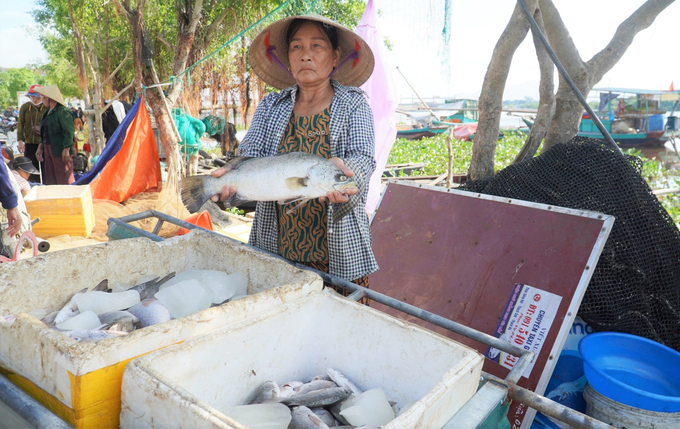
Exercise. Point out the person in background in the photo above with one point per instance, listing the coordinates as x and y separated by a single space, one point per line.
23 168
56 131
28 128
9 202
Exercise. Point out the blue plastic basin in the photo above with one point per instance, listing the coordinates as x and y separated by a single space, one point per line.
632 370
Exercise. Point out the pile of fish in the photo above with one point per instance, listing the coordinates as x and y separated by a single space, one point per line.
104 312
328 401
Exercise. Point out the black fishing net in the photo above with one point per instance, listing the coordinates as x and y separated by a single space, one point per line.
636 285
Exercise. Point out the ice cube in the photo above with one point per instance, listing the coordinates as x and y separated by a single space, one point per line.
370 408
82 322
261 416
39 313
217 281
240 283
186 297
103 302
118 287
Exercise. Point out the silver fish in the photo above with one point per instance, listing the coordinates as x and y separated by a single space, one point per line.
304 418
150 312
314 385
69 310
324 415
266 392
150 288
343 381
288 389
118 321
335 410
286 178
318 398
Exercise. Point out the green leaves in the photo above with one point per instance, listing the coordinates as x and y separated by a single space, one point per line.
14 80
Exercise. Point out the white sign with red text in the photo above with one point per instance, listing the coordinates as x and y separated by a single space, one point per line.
526 321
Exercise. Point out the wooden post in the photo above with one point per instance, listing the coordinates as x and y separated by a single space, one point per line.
449 146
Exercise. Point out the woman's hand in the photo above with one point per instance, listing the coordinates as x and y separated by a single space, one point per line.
39 153
20 146
341 196
227 191
13 221
66 155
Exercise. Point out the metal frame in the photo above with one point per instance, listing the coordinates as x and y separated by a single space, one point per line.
494 392
28 408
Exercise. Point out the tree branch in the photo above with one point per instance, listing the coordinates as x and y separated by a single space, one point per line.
546 104
560 39
165 42
123 10
213 26
196 16
115 97
127 55
642 18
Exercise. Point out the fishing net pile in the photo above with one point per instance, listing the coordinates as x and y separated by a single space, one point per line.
636 285
167 201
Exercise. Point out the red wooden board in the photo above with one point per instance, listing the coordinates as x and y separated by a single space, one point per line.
459 255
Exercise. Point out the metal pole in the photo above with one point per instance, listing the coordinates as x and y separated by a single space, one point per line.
414 91
547 406
28 408
537 31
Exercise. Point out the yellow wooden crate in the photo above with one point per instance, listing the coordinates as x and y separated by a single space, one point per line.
62 209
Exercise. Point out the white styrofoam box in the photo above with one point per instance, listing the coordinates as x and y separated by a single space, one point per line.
188 384
57 365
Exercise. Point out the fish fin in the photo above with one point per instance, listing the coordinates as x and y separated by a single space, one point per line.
295 183
193 191
165 279
300 204
236 200
237 160
343 209
317 421
103 286
292 200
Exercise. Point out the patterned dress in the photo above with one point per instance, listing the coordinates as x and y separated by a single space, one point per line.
303 233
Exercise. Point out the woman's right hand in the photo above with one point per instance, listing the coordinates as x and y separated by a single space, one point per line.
20 146
227 191
39 153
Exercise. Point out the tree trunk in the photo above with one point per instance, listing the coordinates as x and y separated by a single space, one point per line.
565 122
546 104
491 98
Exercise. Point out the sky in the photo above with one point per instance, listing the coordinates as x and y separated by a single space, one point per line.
414 28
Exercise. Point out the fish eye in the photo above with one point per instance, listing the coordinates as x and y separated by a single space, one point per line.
343 178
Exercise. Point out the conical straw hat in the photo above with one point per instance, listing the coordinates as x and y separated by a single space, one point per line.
351 73
52 92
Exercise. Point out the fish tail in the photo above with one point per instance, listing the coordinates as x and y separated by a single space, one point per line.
193 190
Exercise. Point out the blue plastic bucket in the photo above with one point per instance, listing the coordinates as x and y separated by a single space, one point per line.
632 370
656 123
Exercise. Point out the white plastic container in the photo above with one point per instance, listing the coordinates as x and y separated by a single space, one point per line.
188 384
80 382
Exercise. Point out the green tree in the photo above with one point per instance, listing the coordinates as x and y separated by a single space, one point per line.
15 80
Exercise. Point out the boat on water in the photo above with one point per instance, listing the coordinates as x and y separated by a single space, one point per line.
454 113
634 117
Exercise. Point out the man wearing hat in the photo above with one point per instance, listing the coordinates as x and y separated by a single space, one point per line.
23 168
28 127
56 132
318 65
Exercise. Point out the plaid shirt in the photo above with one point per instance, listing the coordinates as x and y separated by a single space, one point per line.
352 140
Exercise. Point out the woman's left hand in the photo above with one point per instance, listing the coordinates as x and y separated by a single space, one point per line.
341 196
66 155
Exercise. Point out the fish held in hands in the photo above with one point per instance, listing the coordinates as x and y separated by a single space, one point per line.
286 178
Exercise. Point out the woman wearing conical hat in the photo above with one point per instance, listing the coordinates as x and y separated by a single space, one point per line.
317 64
56 133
